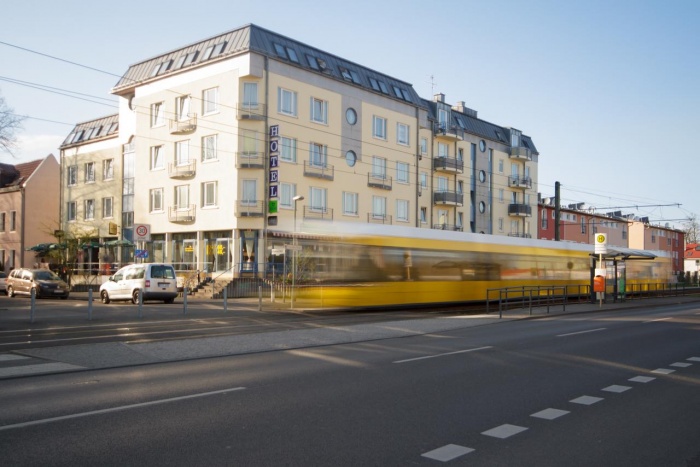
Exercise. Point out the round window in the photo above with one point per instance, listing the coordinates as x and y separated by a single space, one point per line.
482 207
351 116
350 158
482 145
482 176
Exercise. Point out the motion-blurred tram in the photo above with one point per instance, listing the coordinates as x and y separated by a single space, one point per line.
377 266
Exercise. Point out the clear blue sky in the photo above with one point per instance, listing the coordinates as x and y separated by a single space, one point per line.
608 90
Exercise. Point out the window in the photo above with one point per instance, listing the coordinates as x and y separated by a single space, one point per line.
423 145
442 184
318 199
287 193
108 169
500 166
350 203
378 207
423 215
460 187
182 152
443 150
2 221
250 141
288 149
209 148
107 207
13 221
287 102
423 180
460 154
501 195
250 192
317 154
583 225
209 194
460 219
89 209
402 172
157 161
500 224
157 114
72 175
402 210
182 108
156 200
378 167
319 111
250 96
402 134
443 119
379 127
210 101
70 211
89 172
182 197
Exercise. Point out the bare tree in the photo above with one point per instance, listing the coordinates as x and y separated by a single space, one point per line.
10 123
692 229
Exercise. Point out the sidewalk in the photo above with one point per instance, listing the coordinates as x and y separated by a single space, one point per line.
112 355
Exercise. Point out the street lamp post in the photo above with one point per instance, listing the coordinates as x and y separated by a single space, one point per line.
294 251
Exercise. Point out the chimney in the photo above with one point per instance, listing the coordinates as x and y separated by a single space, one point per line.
439 97
460 107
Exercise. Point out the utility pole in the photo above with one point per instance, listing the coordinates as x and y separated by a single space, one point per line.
557 210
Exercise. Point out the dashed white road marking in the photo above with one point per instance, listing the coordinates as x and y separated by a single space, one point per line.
550 414
504 431
581 332
617 388
681 364
656 320
693 359
663 371
641 379
447 453
441 354
586 400
7 357
36 369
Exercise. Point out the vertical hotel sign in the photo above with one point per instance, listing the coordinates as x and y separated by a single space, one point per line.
274 169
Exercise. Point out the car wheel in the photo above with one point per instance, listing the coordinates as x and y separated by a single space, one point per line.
105 297
10 292
135 296
64 297
169 301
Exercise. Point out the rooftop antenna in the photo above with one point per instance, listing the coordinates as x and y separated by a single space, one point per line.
432 85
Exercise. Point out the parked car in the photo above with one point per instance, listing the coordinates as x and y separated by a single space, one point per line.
44 282
3 282
153 281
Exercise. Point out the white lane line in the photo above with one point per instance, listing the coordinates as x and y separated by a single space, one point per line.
656 320
586 400
115 409
681 364
6 357
550 414
617 388
693 359
36 369
441 354
447 453
641 379
581 332
663 371
504 431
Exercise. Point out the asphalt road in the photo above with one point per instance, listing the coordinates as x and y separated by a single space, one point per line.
617 388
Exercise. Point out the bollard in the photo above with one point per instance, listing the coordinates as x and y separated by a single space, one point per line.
32 305
225 300
140 304
89 304
260 298
184 301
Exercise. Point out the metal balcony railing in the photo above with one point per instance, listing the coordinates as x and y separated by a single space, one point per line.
183 126
182 214
250 160
522 210
251 111
448 197
325 214
456 228
444 130
183 169
379 181
449 164
520 152
249 208
324 171
519 182
373 218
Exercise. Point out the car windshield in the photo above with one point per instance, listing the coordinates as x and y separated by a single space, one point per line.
46 276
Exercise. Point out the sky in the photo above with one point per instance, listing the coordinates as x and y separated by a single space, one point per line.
607 89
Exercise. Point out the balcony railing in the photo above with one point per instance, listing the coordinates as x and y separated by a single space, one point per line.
448 197
446 131
250 160
522 210
182 126
183 169
324 171
249 208
251 111
379 181
521 152
448 164
456 228
182 214
324 214
378 218
519 234
519 182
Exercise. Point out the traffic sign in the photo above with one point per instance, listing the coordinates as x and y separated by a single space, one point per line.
142 232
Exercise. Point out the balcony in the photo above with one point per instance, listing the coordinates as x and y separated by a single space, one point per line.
449 132
183 169
378 218
455 228
250 160
251 111
520 235
448 197
249 208
520 153
324 171
324 214
520 210
379 181
183 125
448 164
519 182
182 215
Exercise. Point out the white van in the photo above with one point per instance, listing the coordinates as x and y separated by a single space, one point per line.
155 281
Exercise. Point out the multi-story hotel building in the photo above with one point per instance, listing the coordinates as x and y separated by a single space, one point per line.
230 144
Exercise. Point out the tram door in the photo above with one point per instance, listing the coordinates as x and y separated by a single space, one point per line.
222 258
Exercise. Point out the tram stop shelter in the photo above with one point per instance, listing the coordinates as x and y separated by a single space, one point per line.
617 255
